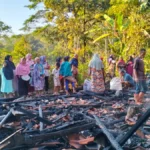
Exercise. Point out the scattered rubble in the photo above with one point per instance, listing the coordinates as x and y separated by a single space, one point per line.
85 121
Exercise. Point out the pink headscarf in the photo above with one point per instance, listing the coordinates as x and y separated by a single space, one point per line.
22 69
29 61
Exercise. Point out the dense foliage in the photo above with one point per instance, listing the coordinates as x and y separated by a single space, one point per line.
119 27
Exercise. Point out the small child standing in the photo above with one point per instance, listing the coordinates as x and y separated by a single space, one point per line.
55 73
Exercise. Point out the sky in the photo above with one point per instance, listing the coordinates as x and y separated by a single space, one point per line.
13 13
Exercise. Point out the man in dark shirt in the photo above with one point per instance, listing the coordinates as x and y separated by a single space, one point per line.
139 77
74 61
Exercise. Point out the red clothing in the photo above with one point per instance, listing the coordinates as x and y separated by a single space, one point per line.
129 68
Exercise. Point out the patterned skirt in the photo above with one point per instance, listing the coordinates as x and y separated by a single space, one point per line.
97 81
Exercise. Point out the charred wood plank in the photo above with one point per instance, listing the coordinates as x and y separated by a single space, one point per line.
142 119
110 137
41 115
5 118
96 95
31 115
3 141
61 133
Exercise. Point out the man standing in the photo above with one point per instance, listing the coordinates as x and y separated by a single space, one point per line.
139 76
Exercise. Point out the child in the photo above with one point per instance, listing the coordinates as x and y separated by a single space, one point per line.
55 73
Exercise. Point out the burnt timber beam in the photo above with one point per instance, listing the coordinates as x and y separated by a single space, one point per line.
110 137
61 133
31 115
142 119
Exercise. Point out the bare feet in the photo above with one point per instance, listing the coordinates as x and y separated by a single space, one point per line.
139 103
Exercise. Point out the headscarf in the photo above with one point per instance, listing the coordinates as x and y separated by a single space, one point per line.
11 64
22 69
43 60
96 63
8 71
29 61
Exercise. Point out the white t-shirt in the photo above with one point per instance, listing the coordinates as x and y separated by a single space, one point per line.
46 70
55 72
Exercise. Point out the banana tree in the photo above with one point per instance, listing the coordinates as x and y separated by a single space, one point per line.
115 31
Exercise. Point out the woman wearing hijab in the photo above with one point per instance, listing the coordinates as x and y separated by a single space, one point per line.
12 65
38 77
96 70
129 66
9 59
22 72
30 62
6 79
46 71
65 71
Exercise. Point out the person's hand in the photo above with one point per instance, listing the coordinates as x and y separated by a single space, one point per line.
136 80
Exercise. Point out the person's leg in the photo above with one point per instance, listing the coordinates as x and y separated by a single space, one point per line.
137 91
5 95
20 87
143 91
37 93
73 86
62 84
141 97
46 84
67 86
136 97
54 89
10 95
26 85
57 90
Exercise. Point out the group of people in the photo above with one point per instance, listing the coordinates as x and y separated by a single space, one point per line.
132 74
32 76
65 73
25 78
121 64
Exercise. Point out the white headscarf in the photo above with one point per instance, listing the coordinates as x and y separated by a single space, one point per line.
96 63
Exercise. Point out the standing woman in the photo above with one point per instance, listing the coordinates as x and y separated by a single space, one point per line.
30 62
129 66
6 80
22 72
38 77
12 65
46 71
9 59
96 70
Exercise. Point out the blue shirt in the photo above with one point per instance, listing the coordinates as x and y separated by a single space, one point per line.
128 78
74 62
65 69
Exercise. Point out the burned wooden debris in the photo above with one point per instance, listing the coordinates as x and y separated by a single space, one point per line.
86 120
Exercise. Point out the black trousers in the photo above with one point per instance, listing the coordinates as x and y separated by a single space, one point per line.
22 87
46 84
